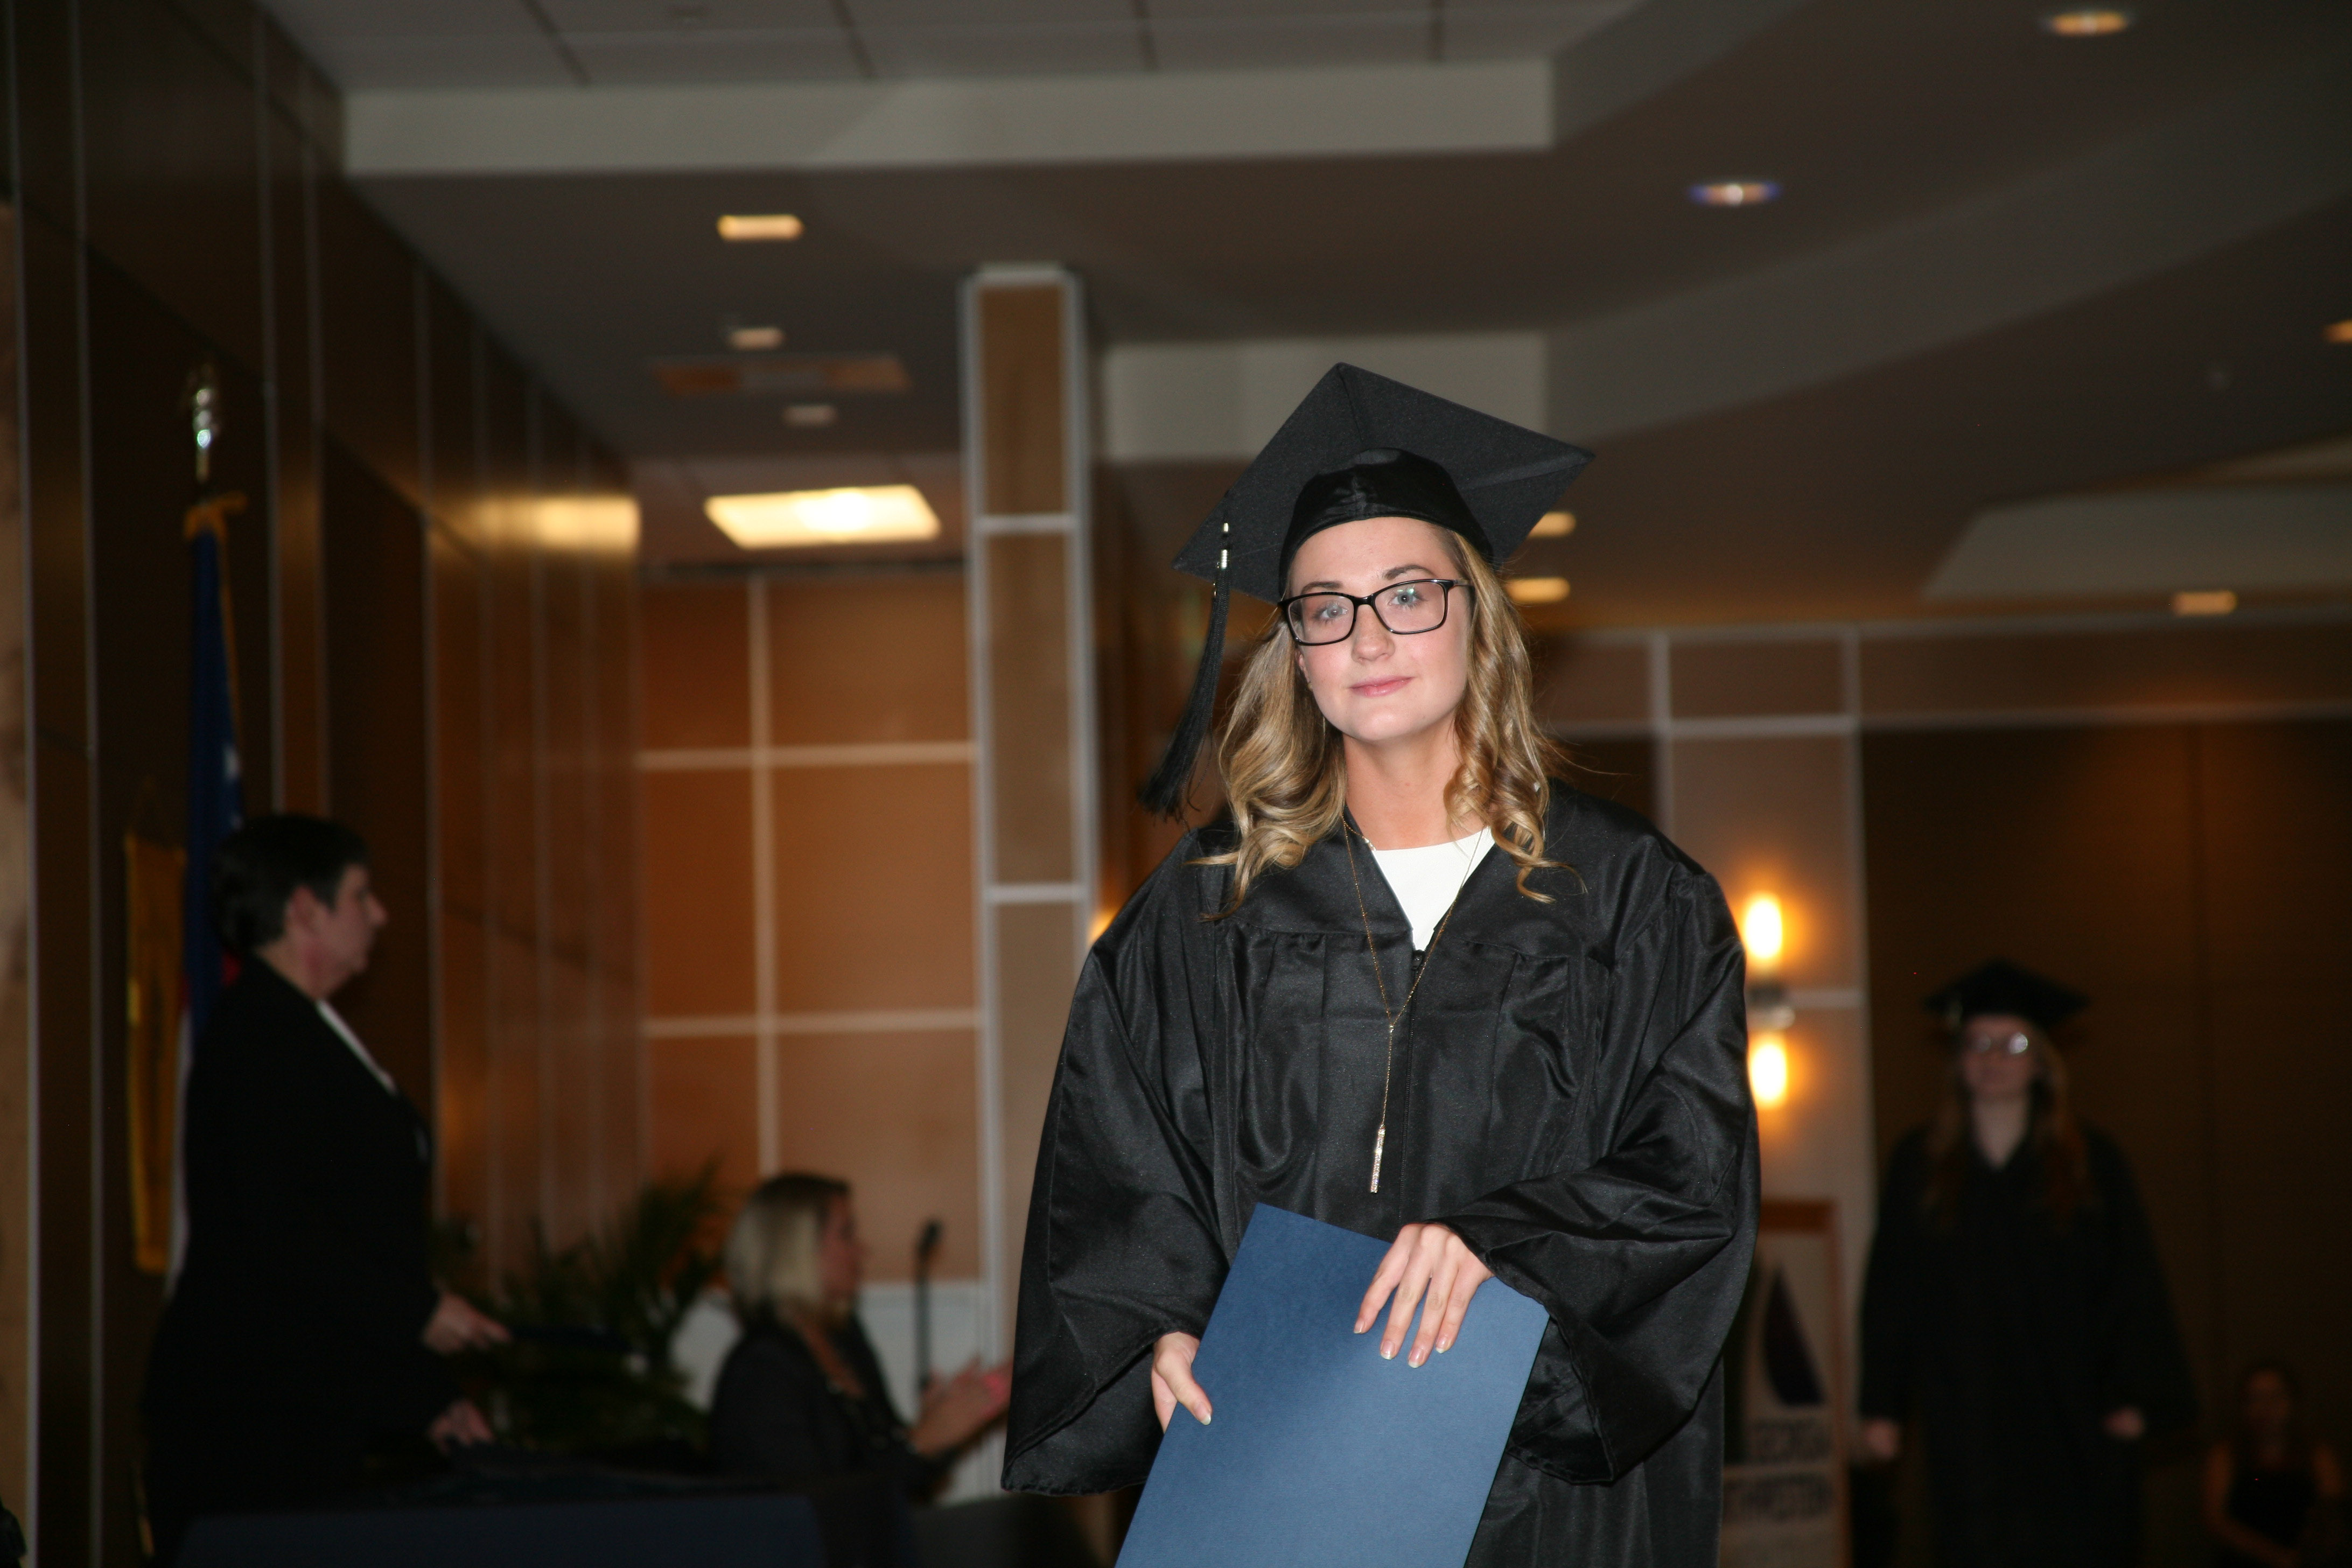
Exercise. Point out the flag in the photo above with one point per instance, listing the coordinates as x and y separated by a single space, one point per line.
215 790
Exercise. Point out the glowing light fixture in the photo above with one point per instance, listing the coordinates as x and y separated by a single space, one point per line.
759 226
1768 1070
876 515
810 416
2338 332
1762 933
1736 192
753 340
1560 524
2088 22
2204 602
1761 929
1537 590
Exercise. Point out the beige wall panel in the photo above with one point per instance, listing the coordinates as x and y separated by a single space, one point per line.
2277 853
566 732
695 655
517 1127
1036 970
703 1103
892 1115
874 873
1021 412
575 1101
461 1085
1748 677
620 1058
1029 696
699 939
1579 682
1772 816
2189 663
461 782
866 660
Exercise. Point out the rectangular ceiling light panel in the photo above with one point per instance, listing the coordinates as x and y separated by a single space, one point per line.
792 375
874 514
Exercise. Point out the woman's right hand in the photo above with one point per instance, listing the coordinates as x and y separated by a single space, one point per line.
457 1324
960 1408
1171 1379
1882 1439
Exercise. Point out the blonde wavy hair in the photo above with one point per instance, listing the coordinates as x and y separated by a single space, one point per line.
1286 771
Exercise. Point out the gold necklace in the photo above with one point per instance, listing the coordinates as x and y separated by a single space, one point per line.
1348 836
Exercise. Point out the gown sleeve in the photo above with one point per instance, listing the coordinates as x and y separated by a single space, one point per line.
1122 1243
1640 1254
2146 1366
1889 1286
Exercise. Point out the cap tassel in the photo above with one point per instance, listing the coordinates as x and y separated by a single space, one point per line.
1163 792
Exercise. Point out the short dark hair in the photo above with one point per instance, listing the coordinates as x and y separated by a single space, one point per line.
257 869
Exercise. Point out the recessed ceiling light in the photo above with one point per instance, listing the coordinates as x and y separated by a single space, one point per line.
1537 590
810 416
1736 192
759 226
2204 602
874 515
752 340
2338 332
2086 22
1555 525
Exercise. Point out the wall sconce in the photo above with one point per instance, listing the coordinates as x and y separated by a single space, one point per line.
1768 1070
1761 930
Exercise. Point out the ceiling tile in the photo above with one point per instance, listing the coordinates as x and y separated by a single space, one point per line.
359 63
1005 50
996 13
660 15
1206 44
1522 32
1395 11
800 54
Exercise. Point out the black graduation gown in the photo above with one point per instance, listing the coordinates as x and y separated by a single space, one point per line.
2013 1338
292 1337
1570 1095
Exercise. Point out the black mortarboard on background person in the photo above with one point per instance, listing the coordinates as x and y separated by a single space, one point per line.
1360 446
2000 987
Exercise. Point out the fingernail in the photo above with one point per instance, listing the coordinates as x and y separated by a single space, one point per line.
1388 1353
1416 1358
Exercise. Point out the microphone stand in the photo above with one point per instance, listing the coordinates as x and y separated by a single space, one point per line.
925 1245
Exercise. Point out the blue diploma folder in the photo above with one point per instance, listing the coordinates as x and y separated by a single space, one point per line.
1320 1452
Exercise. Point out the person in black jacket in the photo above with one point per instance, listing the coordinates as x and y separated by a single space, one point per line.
2014 1301
800 1400
305 1323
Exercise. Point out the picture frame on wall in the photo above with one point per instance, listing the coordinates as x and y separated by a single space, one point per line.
1785 1399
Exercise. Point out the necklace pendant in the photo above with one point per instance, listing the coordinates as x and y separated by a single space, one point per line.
1380 1144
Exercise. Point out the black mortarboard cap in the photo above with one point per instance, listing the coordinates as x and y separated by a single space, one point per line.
2000 987
1360 446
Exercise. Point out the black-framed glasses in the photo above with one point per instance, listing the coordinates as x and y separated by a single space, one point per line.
1406 609
2014 1044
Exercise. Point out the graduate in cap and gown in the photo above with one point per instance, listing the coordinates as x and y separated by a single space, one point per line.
1412 983
2014 1301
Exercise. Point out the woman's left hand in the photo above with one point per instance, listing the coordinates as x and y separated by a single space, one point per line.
2125 1425
1424 1259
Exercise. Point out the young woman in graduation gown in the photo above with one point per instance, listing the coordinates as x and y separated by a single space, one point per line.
2014 1301
1562 1101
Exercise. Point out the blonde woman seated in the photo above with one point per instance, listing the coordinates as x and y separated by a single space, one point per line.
801 1398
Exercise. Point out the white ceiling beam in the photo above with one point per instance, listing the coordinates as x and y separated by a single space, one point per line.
1488 107
2239 537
